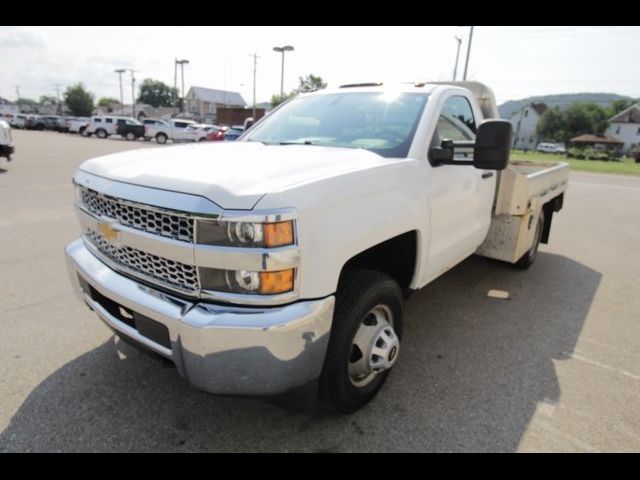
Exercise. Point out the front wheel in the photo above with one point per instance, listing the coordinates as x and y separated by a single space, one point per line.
161 138
130 136
101 133
365 339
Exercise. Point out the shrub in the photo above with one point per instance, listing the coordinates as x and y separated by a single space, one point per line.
575 152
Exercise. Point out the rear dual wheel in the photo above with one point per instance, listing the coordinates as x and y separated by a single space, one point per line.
528 258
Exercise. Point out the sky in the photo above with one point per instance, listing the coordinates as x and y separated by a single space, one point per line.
516 62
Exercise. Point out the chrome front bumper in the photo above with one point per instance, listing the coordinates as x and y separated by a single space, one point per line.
219 349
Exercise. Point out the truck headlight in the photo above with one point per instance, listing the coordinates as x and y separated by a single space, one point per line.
245 234
242 281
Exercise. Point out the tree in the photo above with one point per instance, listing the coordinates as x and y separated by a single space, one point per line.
598 116
311 83
577 121
79 101
277 99
26 101
619 105
551 126
48 100
156 93
108 101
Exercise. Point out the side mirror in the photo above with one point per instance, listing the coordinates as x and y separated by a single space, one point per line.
442 154
493 145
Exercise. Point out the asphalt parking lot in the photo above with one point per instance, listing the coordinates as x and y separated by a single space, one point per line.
555 368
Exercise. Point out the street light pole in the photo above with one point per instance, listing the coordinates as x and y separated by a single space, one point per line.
120 71
466 63
455 67
286 48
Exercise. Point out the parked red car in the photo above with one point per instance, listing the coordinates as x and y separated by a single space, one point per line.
215 135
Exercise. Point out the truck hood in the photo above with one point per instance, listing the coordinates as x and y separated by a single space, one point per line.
234 175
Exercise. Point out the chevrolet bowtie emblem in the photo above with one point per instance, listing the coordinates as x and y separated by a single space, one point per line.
108 232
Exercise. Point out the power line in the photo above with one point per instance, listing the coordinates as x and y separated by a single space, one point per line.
557 33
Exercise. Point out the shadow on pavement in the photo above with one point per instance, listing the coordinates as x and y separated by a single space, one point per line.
471 373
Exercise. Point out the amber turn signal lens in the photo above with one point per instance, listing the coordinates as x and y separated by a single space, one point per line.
276 282
278 234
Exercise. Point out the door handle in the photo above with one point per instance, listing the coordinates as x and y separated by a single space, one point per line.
487 175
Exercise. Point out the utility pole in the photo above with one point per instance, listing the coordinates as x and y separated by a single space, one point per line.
466 63
182 62
455 66
120 71
133 92
175 84
58 97
18 93
133 95
255 67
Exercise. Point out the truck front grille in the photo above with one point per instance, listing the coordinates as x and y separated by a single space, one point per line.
139 216
172 273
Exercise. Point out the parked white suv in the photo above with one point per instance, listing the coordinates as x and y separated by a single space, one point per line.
198 132
104 125
550 148
76 124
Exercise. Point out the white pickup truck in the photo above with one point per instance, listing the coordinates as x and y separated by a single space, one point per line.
280 261
164 131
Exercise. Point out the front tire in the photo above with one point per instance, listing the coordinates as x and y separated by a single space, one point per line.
101 133
365 339
130 136
161 138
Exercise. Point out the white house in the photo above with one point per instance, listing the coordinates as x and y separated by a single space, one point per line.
203 102
523 123
626 126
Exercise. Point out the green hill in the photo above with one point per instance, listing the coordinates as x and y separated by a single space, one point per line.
560 100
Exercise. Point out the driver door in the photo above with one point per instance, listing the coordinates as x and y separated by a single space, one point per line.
461 195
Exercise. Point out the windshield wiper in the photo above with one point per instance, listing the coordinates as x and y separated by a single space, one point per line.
306 142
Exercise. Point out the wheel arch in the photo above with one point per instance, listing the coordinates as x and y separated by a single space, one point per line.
396 256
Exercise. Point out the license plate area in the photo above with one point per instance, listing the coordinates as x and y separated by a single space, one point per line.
147 327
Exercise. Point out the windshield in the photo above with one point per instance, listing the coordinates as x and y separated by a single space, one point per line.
381 122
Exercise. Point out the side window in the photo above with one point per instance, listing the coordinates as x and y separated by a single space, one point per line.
181 124
108 120
97 120
456 122
457 118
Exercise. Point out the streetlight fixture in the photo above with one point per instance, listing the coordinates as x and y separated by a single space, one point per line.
286 48
120 71
181 63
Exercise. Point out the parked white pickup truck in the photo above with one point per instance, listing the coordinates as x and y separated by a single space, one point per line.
280 261
164 131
